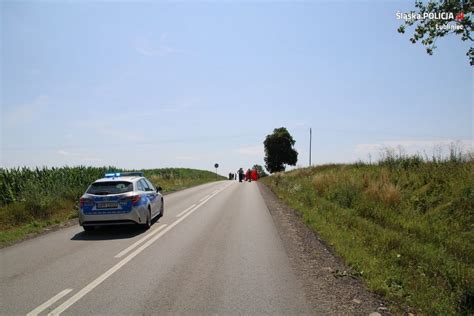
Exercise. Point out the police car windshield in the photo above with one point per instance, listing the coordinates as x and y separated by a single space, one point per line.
112 187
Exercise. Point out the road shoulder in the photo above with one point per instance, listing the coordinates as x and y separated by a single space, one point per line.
325 278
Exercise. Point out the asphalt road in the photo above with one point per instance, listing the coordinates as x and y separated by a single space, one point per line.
216 251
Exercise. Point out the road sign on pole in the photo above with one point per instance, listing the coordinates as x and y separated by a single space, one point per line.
216 165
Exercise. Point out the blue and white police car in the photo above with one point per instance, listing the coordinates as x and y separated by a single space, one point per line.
120 198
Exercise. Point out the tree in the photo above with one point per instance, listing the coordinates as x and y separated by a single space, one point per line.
438 19
260 170
279 150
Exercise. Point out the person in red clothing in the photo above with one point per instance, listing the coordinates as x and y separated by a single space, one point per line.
254 175
248 176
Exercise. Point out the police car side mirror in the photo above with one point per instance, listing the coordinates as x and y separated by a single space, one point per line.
159 189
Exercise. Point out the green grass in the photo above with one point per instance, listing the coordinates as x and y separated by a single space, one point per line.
34 199
405 225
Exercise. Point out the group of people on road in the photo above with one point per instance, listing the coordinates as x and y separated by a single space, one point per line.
251 174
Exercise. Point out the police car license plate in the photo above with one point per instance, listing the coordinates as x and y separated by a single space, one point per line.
107 205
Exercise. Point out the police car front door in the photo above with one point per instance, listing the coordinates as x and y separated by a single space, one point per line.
152 196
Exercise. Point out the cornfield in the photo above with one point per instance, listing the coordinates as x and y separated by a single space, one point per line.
19 184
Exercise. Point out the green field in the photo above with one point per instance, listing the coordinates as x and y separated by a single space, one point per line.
405 225
33 199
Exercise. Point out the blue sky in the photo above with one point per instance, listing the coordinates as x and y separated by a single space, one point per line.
188 84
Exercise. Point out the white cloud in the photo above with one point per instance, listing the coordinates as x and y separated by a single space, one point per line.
26 113
144 45
368 148
415 146
63 152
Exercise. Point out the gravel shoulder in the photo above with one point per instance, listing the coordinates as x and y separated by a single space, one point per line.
326 279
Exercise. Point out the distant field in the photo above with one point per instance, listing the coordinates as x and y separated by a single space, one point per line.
32 199
405 225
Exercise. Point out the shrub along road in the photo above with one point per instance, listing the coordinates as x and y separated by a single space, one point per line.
216 250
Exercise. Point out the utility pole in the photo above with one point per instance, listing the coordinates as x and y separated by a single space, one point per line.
310 136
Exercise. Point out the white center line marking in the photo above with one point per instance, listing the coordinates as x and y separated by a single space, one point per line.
89 287
48 303
127 250
204 198
179 215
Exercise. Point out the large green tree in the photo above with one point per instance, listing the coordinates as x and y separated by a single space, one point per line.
279 150
436 19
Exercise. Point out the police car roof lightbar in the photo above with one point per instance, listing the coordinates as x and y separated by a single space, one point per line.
112 175
124 174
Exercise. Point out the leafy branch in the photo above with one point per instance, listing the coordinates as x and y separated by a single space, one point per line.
427 30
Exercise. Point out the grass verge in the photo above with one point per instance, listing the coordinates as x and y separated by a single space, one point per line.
405 225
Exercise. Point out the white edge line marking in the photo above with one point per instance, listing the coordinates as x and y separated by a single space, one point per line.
89 287
49 302
179 215
204 198
130 248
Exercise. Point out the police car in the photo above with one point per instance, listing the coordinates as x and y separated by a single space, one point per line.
120 198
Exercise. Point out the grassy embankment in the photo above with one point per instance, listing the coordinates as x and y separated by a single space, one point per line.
404 224
31 200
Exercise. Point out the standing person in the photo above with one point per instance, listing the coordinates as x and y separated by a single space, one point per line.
248 176
254 175
241 174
